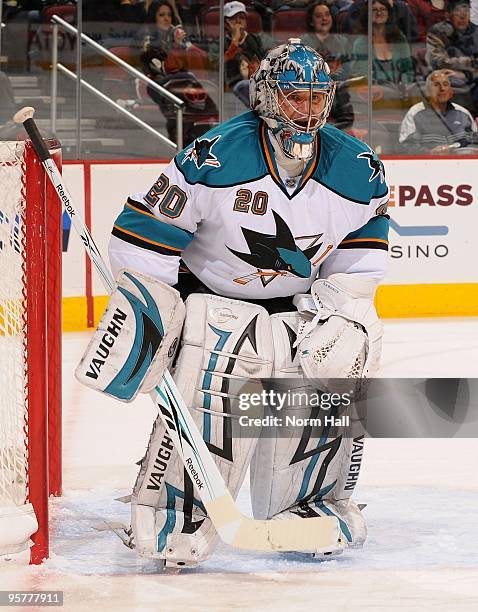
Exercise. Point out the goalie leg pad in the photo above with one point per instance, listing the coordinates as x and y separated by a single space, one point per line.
311 473
223 341
17 525
136 338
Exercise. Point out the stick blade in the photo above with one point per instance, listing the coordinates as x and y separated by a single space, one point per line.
318 534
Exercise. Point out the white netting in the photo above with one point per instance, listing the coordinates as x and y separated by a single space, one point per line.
13 400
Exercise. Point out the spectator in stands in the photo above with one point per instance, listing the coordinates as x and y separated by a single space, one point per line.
323 38
392 66
243 50
147 10
427 13
437 125
474 11
7 102
333 48
453 44
173 62
400 14
168 42
164 31
342 111
266 9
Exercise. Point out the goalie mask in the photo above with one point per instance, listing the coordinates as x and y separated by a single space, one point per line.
293 92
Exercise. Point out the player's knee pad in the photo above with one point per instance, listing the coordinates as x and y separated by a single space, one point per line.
223 341
275 447
136 338
344 339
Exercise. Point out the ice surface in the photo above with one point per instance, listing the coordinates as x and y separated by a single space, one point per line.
421 496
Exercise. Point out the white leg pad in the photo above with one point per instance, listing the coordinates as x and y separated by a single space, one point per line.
312 473
223 340
17 525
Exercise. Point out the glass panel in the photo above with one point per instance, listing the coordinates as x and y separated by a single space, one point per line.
423 65
332 30
26 51
164 42
393 36
178 45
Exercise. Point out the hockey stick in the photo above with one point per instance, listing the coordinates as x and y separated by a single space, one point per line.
311 534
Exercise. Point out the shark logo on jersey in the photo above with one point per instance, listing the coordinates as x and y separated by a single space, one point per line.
201 153
374 164
277 254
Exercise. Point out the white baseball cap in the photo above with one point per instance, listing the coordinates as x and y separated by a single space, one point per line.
232 8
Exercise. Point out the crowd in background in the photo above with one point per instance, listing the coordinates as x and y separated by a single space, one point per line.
424 62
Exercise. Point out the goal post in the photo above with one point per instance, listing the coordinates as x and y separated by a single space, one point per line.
30 349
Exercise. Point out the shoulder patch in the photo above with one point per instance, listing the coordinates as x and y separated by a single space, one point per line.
229 154
374 164
201 153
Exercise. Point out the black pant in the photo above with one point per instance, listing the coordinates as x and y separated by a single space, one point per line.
189 283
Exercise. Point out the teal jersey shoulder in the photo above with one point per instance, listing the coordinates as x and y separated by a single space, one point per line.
229 154
374 230
349 167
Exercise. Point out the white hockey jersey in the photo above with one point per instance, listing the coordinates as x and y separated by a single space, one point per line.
222 209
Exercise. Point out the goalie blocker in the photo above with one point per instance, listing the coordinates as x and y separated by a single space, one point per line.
136 338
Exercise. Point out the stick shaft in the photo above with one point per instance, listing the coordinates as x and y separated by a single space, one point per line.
63 193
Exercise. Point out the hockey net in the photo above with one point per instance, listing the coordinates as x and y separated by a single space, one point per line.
30 350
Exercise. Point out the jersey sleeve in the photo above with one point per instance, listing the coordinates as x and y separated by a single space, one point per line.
364 251
155 226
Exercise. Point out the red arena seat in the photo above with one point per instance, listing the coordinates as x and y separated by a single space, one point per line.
65 11
290 23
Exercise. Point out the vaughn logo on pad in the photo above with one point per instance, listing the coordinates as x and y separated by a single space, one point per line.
107 342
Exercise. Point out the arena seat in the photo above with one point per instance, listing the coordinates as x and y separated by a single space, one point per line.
289 23
65 11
